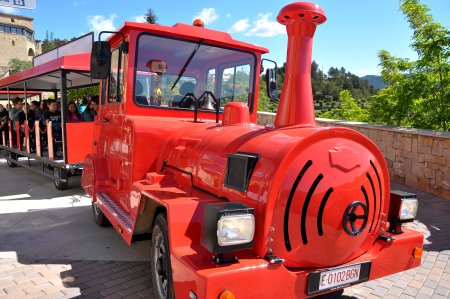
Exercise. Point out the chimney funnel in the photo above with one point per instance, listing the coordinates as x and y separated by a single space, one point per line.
296 104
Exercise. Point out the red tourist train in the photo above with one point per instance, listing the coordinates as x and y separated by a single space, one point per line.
234 209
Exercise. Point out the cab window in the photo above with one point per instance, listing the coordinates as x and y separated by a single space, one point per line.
115 91
174 73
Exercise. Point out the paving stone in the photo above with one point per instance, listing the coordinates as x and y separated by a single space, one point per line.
379 291
441 291
410 291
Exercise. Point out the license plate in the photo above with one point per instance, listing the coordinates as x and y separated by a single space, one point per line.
335 278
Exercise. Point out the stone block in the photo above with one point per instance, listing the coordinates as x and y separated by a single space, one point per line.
430 173
438 147
414 145
418 169
423 184
407 142
440 160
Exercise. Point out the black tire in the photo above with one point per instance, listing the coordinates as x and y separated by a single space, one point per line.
160 265
63 180
99 218
11 156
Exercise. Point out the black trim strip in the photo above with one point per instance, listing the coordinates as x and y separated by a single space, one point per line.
366 197
287 242
321 209
305 207
379 187
374 199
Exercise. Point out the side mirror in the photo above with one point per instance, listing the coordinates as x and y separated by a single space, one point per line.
100 60
271 83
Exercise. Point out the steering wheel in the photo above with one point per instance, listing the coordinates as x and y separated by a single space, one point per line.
187 97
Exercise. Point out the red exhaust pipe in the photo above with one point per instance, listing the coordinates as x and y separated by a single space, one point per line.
296 104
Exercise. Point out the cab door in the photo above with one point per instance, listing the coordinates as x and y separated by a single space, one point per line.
112 128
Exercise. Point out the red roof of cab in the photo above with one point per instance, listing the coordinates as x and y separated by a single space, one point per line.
193 33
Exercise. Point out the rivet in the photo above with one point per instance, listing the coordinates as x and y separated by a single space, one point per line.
272 229
269 250
270 240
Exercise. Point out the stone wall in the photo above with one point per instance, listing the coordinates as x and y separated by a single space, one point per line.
417 158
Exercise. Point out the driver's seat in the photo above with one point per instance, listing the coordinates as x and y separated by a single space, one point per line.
185 88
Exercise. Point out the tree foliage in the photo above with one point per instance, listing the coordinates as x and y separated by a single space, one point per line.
16 65
77 95
418 92
50 42
150 17
326 87
348 110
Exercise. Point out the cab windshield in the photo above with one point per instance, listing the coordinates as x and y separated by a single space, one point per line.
179 74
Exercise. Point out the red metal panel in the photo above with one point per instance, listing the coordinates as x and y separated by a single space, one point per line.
79 138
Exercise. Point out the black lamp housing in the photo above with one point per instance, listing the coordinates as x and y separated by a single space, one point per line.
213 212
395 204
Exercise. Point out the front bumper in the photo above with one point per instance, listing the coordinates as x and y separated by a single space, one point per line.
254 277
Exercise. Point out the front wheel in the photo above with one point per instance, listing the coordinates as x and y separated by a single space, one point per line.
9 160
99 218
61 179
160 260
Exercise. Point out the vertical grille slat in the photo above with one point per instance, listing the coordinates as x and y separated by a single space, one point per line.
289 202
379 187
374 199
321 210
305 207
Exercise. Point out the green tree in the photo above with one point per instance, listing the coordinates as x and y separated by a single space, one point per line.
150 17
50 42
16 65
348 110
418 92
78 94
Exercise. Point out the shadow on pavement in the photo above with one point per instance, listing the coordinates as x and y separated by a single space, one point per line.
63 252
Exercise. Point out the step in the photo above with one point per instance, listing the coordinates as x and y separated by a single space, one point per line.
123 217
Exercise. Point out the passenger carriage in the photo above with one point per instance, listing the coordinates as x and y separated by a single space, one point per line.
53 74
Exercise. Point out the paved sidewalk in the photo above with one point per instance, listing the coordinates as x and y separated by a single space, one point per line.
54 249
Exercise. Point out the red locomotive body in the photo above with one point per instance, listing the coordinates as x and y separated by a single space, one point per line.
237 210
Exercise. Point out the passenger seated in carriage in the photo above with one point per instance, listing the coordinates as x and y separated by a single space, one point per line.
53 115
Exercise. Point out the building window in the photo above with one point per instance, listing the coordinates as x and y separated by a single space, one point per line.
31 52
13 43
12 20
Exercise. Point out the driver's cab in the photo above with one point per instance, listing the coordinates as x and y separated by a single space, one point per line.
174 71
182 75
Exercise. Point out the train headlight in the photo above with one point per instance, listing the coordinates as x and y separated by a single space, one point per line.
227 227
235 229
408 209
402 208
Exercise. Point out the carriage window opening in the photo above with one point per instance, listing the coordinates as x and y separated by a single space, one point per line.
116 77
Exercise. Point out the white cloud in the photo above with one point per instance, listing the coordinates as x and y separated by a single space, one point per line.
79 3
208 15
139 19
264 27
99 23
240 26
227 15
7 9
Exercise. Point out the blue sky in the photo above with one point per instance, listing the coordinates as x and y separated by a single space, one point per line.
355 31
